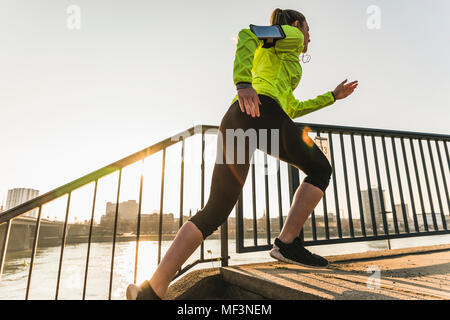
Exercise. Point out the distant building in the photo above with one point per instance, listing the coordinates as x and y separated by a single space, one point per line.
376 199
430 220
399 215
18 196
128 210
128 215
150 223
322 143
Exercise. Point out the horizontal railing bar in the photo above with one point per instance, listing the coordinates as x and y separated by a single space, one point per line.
256 248
356 239
193 264
91 177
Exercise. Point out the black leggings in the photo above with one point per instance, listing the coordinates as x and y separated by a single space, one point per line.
228 179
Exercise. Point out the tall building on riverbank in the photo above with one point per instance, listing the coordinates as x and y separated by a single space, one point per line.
128 210
376 200
18 196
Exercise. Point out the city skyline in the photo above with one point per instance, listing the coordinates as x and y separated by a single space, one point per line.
128 210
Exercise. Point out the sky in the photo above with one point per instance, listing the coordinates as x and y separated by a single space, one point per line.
137 72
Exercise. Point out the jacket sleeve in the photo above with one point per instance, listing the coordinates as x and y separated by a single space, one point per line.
301 108
247 43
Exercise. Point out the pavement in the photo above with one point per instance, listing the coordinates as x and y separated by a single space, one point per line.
420 273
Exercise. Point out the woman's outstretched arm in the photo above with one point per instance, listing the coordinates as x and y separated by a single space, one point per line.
301 108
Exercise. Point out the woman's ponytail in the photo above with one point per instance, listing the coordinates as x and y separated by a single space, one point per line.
275 18
287 16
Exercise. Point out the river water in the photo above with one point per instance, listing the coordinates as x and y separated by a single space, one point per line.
44 279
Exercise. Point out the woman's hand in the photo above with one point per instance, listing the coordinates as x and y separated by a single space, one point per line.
248 99
344 90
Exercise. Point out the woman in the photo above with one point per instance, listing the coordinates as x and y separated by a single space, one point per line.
265 74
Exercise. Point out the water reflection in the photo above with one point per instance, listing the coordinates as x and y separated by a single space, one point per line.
43 285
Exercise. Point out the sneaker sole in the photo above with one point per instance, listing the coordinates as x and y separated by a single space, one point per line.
276 254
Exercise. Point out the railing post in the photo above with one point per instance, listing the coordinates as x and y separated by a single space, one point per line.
91 225
411 194
255 220
336 198
138 225
202 191
161 205
5 246
380 188
33 252
347 192
116 216
224 244
280 204
325 210
266 189
443 180
239 224
369 187
294 182
400 188
388 175
63 244
358 187
419 187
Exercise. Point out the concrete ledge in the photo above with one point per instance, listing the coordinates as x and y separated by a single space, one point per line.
264 287
184 287
208 284
383 254
409 273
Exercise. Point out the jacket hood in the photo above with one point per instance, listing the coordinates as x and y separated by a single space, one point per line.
294 41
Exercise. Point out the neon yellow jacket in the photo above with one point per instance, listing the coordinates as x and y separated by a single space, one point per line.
275 71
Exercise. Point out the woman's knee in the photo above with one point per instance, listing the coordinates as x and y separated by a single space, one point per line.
206 222
321 176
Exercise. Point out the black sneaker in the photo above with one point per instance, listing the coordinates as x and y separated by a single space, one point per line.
296 253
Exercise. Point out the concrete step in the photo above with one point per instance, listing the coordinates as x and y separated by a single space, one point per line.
410 273
413 273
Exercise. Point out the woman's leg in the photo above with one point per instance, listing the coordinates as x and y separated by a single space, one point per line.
225 190
226 185
299 150
185 243
306 156
305 200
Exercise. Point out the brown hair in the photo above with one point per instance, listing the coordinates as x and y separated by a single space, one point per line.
287 16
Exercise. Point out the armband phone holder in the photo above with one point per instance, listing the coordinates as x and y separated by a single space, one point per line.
268 33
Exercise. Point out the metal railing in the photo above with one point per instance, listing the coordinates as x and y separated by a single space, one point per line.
333 229
7 217
383 229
